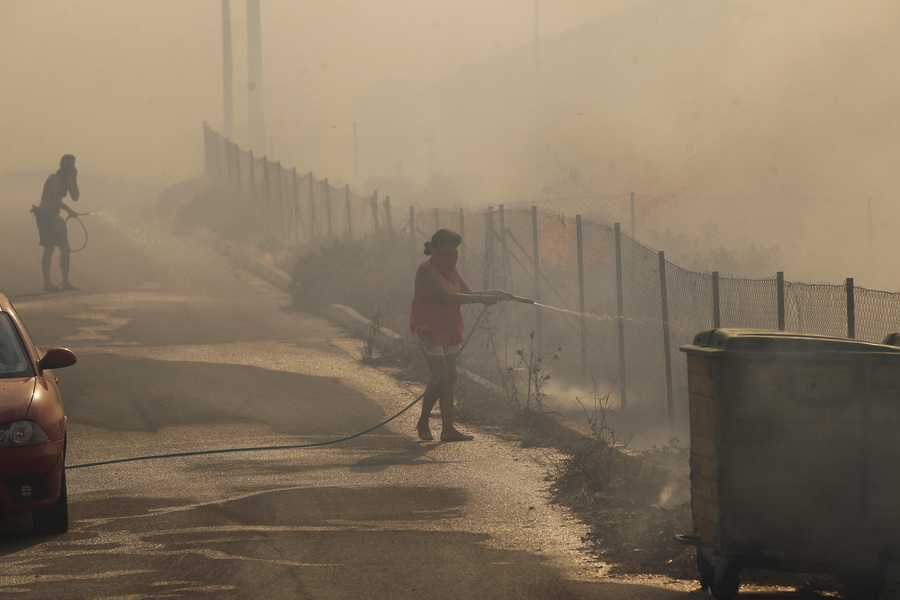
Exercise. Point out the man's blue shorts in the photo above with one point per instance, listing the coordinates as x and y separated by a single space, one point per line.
52 229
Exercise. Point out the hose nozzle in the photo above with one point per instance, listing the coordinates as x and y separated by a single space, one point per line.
522 300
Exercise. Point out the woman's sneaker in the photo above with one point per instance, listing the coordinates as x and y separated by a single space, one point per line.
455 436
424 433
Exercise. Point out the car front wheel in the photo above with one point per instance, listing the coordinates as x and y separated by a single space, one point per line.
55 518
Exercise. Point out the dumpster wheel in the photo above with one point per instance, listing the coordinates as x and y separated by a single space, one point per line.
719 576
864 585
727 588
706 570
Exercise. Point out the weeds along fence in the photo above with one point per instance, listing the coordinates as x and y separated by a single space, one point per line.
613 311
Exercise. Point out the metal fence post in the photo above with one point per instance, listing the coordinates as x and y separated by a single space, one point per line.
267 213
504 249
327 207
218 165
851 310
295 207
717 315
667 349
237 169
462 234
228 155
413 247
373 201
538 324
236 166
280 203
620 309
488 246
313 223
780 291
388 219
252 179
206 161
633 232
580 244
349 212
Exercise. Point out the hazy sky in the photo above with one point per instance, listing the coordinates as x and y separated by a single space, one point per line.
676 100
733 98
127 84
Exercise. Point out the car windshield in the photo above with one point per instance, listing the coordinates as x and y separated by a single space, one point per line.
13 358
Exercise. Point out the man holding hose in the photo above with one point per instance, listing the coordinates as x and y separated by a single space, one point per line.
436 326
51 226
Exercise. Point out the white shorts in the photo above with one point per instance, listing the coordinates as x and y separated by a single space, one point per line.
430 349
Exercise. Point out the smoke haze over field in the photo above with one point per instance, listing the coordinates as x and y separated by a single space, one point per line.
782 115
128 83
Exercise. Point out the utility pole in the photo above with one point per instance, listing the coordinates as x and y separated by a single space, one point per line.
537 78
227 75
255 78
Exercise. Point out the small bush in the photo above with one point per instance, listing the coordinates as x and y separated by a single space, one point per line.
373 275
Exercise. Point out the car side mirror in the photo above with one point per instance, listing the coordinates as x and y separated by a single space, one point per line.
57 358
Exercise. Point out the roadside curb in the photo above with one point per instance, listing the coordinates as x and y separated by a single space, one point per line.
245 259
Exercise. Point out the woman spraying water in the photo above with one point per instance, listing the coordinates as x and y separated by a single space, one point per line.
436 326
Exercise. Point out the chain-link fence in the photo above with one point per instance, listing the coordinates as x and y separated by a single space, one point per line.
610 311
285 204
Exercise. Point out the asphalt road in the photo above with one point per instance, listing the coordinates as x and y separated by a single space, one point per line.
180 351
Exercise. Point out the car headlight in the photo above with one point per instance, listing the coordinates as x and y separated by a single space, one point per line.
21 433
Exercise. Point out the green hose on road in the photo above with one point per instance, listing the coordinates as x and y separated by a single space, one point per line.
291 446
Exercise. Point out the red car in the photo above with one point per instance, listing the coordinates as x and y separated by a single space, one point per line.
32 427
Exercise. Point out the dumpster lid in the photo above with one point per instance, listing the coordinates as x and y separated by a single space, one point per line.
764 342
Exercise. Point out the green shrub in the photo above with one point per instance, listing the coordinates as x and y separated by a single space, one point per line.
373 275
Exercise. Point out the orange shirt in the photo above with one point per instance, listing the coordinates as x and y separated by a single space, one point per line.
439 322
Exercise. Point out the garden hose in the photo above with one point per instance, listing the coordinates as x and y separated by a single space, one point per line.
75 216
291 446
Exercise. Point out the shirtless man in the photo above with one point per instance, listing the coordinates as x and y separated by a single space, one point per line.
51 226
